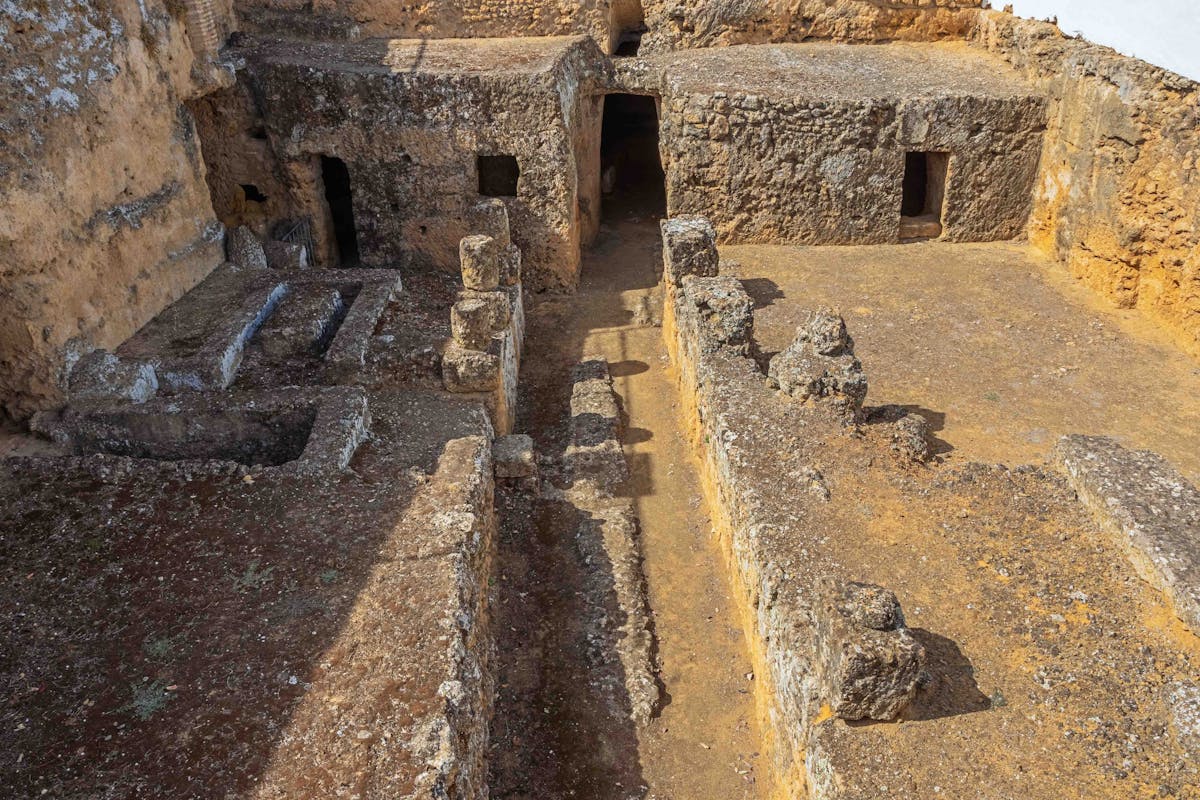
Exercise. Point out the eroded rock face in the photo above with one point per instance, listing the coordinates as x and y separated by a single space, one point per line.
243 248
820 364
675 24
105 217
413 123
868 662
907 431
1118 197
808 143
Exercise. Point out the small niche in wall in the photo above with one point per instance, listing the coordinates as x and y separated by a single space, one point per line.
498 175
252 193
924 189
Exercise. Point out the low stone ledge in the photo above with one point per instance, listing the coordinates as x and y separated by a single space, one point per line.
724 308
1152 510
594 452
347 353
515 457
215 363
101 375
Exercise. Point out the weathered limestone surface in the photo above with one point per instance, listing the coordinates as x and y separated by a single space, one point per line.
595 450
868 662
670 24
689 248
1152 510
305 321
409 119
487 326
1118 194
677 24
101 375
357 600
806 143
105 217
433 19
514 456
245 249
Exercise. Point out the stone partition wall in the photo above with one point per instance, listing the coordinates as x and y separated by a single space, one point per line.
105 217
410 119
806 143
1118 196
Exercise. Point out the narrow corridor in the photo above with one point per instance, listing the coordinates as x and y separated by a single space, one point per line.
551 736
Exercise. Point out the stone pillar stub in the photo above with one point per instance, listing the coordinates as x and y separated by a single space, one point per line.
490 217
689 248
479 258
471 323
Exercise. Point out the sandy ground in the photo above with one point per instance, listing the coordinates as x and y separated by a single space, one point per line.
997 346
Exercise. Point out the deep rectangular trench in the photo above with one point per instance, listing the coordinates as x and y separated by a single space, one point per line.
265 437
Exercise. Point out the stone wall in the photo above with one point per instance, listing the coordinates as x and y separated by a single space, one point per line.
410 119
670 24
806 143
106 218
676 24
429 19
1118 195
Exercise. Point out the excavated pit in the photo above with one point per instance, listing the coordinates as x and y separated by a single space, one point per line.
276 523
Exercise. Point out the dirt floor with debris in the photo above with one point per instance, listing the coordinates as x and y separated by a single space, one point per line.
1047 654
998 347
551 736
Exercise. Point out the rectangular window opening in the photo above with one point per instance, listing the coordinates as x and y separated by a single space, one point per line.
341 207
924 190
498 176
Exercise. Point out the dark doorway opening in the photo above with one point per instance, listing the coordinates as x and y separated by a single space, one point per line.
341 208
498 175
628 19
924 190
631 172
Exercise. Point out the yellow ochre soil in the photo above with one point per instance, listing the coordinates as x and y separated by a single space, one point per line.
993 343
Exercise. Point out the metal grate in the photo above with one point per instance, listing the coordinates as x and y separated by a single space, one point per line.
297 232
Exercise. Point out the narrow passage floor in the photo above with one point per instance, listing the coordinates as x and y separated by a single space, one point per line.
551 735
